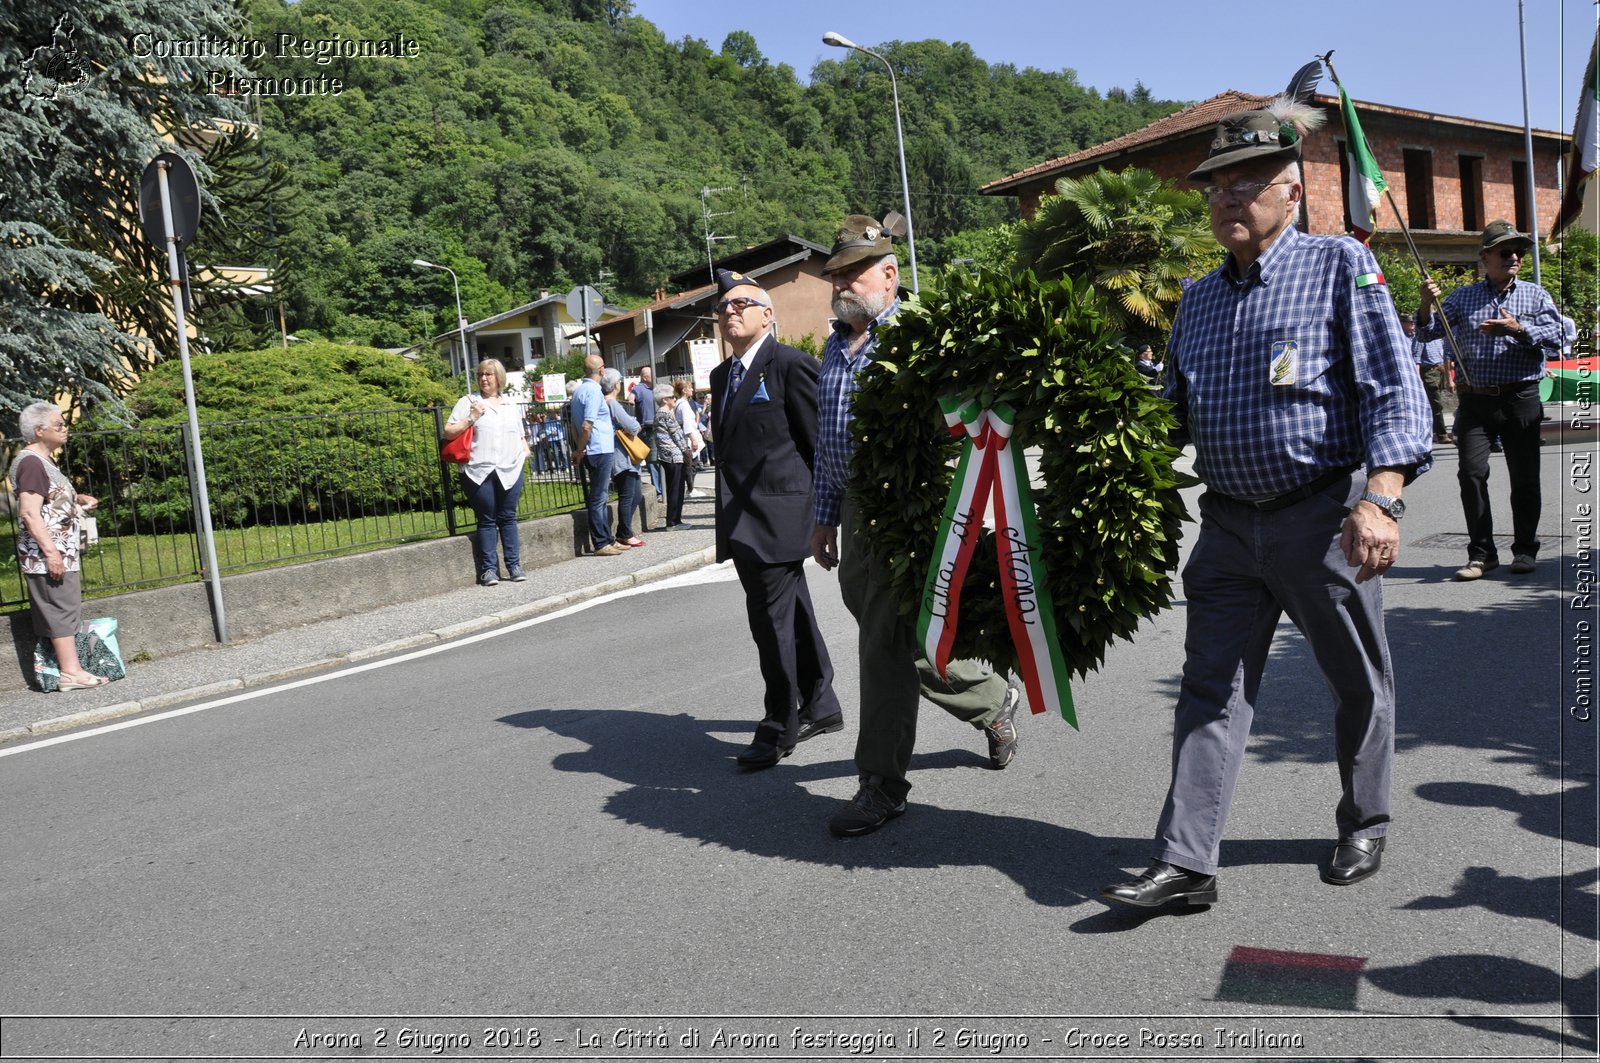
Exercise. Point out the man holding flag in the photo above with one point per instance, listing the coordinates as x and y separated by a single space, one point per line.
1289 372
1505 328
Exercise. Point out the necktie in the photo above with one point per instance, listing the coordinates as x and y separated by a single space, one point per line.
735 378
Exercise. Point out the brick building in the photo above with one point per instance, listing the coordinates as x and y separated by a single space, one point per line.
1449 176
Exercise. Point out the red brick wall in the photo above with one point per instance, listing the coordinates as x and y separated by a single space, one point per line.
1390 136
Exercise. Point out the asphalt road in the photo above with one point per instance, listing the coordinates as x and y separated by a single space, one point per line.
535 844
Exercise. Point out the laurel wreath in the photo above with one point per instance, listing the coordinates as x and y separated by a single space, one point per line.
1108 505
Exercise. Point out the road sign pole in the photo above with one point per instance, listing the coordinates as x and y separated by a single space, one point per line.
204 507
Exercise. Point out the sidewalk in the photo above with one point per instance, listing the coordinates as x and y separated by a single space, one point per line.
219 670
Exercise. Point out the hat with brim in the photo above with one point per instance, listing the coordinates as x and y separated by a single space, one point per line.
1503 232
1247 137
860 238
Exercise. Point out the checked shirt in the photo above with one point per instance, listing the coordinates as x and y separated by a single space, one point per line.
836 390
1295 370
1493 360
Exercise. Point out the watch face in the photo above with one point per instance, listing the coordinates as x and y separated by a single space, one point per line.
1397 508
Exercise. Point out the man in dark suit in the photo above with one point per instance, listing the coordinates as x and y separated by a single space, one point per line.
764 419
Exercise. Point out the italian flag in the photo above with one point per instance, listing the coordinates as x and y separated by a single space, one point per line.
1584 158
1366 179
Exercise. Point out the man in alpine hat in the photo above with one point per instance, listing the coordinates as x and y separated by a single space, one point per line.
1505 327
866 282
1289 372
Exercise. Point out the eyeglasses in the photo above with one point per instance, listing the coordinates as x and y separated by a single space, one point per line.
1244 191
738 306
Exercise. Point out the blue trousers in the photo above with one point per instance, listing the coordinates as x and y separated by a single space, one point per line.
597 467
1248 568
496 509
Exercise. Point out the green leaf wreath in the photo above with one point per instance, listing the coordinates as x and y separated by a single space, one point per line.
1109 508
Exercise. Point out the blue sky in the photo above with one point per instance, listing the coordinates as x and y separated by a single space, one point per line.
1456 57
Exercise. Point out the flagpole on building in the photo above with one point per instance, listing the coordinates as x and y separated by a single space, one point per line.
1449 333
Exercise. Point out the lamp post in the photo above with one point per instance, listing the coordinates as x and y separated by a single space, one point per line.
461 322
840 41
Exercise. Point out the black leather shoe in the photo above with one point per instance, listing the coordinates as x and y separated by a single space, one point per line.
1353 860
762 755
1164 883
811 728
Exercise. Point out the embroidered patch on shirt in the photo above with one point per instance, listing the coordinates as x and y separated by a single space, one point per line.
1284 356
1369 278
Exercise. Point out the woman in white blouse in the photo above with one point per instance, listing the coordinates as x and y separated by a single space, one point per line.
492 478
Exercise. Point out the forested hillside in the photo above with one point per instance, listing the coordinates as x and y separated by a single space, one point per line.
536 144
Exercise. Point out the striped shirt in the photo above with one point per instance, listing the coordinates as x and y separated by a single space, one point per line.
1492 360
1295 370
836 389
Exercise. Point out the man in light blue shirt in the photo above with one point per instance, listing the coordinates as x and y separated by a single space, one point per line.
596 440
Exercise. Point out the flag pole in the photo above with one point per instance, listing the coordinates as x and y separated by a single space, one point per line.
1422 266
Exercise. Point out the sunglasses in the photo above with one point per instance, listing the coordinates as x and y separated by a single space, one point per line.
738 306
1510 252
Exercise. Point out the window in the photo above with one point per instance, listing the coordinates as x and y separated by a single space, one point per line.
1471 192
1519 194
1419 187
535 349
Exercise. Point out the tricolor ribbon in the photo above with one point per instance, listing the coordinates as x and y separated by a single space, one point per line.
990 467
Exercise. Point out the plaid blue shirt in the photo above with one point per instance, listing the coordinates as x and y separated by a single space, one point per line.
836 389
1427 352
1296 370
1495 360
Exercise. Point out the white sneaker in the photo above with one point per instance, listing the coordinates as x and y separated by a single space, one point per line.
697 494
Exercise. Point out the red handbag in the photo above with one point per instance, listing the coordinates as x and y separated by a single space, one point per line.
458 451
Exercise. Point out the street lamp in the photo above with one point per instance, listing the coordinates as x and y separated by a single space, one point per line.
840 41
461 322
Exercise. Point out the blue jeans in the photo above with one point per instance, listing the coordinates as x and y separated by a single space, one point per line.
496 509
598 469
629 498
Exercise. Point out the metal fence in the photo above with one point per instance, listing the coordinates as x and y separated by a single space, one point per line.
282 489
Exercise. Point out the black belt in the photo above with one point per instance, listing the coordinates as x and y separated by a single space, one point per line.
1492 390
1299 494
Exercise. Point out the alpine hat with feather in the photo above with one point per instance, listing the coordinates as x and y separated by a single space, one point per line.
861 238
1271 132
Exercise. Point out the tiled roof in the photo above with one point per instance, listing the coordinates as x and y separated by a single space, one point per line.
1195 116
1205 113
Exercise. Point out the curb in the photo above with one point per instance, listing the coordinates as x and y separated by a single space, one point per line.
57 724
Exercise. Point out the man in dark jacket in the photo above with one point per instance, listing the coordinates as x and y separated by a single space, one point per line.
764 418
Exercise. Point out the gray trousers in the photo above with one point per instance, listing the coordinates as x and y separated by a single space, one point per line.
1247 569
894 673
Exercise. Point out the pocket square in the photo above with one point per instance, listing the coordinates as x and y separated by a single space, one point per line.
761 392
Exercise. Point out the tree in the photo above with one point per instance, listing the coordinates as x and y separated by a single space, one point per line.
81 301
1131 234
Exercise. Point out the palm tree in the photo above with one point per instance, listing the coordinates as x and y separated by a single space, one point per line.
1132 234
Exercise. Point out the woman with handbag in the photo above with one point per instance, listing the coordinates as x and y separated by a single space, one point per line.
49 511
626 463
492 474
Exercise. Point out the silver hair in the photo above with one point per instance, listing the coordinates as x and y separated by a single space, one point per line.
609 379
34 417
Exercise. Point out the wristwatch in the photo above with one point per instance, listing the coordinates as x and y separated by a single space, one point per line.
1394 507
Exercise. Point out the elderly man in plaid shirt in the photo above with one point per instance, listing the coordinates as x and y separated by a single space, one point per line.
1290 374
894 674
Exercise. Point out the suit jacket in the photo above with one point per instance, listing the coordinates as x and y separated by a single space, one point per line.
766 440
